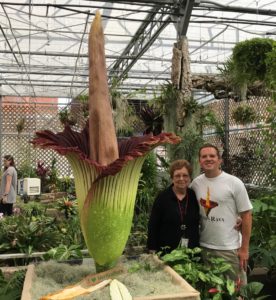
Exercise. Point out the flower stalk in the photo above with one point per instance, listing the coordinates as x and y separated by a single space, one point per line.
103 141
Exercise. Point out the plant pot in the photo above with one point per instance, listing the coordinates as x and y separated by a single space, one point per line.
180 289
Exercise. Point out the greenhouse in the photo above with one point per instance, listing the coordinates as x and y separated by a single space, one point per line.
137 143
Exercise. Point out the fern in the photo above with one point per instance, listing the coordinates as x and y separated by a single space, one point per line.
11 289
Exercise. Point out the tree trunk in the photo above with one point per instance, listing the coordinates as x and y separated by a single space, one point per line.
185 120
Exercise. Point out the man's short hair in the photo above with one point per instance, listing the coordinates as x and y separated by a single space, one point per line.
209 145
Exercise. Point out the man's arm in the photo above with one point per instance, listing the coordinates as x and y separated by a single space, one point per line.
246 232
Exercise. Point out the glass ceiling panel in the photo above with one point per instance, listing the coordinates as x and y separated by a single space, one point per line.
43 44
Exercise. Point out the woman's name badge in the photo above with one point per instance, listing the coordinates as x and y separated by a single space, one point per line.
183 227
184 242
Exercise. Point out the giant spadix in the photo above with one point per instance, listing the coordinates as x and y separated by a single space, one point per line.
106 169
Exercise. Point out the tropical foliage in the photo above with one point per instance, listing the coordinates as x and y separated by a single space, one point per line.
32 229
263 238
210 280
63 253
10 289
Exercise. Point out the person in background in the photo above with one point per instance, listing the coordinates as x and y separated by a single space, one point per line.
174 218
222 199
8 186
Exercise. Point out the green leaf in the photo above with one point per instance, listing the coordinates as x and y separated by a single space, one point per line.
218 296
225 267
230 285
135 267
4 246
174 256
216 279
202 276
251 289
179 269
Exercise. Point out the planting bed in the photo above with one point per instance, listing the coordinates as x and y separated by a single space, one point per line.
145 277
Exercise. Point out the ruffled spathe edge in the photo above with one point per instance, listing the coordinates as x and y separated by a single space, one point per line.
70 141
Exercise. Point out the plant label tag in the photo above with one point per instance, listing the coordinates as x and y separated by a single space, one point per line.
184 242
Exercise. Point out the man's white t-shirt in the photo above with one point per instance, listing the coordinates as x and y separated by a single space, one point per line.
220 199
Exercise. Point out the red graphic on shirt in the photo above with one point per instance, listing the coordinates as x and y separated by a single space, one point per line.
207 203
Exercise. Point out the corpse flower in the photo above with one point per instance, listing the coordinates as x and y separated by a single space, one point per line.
207 203
106 169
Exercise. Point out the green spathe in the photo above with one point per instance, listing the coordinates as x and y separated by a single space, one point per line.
84 176
107 214
106 234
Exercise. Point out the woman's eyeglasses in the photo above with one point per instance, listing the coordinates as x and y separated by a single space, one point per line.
178 176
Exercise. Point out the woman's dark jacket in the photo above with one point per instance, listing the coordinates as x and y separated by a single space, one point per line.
165 221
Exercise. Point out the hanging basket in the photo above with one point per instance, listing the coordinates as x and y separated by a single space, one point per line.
244 114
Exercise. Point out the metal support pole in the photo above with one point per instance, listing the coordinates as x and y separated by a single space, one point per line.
226 135
1 121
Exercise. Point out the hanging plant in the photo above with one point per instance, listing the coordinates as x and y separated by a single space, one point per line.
123 113
271 68
249 58
248 65
66 118
191 106
244 114
20 125
82 100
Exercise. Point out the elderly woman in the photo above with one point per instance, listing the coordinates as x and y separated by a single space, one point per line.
174 219
8 186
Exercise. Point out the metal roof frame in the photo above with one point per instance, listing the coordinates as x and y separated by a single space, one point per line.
43 44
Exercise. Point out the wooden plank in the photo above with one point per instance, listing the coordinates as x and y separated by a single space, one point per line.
26 292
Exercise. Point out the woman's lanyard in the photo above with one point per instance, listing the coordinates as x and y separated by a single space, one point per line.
183 212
